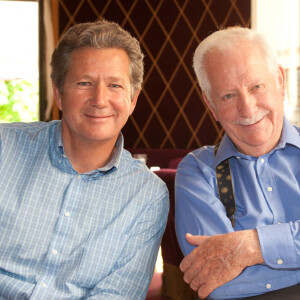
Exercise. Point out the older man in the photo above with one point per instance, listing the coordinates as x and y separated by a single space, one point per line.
253 247
79 218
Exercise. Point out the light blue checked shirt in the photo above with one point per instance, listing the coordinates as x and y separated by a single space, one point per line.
267 196
65 235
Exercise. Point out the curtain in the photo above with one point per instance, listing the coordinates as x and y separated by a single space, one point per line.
47 38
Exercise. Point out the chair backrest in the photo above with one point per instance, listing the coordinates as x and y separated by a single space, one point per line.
173 284
171 252
160 157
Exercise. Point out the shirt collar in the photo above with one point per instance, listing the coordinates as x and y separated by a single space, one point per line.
290 135
113 162
116 157
226 150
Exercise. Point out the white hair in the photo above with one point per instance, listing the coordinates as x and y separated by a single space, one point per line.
227 40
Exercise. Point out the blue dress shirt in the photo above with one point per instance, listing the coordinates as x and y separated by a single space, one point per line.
65 235
267 195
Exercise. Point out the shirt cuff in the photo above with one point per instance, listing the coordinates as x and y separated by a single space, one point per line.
277 245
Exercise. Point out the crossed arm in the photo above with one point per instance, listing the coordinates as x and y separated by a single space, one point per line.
219 259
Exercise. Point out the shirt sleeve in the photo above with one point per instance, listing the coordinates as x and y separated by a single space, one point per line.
280 245
200 212
134 270
198 209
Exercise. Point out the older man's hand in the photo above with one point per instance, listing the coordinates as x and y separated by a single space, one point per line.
219 259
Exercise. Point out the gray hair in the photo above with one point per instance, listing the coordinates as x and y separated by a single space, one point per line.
100 35
226 40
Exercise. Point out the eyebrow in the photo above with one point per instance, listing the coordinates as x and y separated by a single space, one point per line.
80 78
114 78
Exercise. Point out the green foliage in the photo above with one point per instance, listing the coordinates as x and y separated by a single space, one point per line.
19 100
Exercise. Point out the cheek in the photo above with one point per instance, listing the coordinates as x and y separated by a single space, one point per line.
122 106
227 114
66 106
272 102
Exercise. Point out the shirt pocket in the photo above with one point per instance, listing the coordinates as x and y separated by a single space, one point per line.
100 256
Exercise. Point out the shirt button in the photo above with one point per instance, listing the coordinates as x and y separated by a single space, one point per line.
262 160
44 285
270 189
268 286
279 261
54 252
64 156
67 214
59 161
78 176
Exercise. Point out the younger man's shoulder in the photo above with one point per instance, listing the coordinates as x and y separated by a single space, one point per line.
30 126
138 168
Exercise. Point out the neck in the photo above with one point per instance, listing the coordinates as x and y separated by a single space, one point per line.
87 156
85 159
257 151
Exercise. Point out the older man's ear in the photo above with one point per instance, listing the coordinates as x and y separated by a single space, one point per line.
281 80
210 106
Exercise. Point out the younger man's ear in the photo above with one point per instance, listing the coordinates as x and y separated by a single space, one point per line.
57 95
134 101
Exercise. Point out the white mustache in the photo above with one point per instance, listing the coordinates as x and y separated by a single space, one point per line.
255 118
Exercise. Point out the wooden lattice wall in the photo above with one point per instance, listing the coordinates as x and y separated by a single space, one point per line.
170 112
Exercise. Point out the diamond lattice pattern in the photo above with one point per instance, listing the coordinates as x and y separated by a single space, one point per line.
170 112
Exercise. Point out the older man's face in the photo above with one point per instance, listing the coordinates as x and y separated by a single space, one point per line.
248 102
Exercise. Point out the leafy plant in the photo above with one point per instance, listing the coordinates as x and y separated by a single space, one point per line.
19 100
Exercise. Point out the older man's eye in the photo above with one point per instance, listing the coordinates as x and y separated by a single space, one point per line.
258 87
228 96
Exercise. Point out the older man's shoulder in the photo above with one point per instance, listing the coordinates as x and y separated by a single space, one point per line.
203 155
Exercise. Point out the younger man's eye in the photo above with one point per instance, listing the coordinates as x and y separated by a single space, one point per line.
84 83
